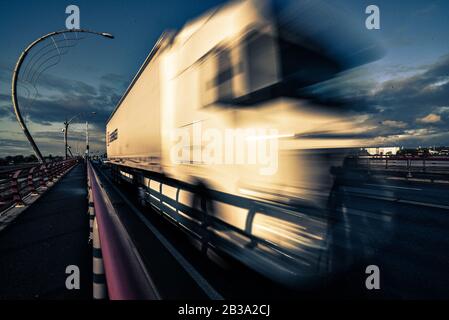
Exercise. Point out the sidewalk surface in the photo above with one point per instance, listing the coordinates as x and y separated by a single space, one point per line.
46 238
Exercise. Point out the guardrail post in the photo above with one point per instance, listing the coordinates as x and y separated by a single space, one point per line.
249 225
43 176
409 169
56 169
141 192
31 187
99 279
203 199
59 169
15 184
91 210
49 172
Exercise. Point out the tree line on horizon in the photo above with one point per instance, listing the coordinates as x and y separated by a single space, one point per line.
19 159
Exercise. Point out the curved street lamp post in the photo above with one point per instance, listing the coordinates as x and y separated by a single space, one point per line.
15 75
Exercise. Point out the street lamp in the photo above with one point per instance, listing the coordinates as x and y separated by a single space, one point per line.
15 75
66 129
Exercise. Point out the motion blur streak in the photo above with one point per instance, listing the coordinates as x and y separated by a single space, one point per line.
255 65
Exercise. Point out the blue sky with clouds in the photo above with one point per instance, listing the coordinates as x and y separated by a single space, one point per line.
406 93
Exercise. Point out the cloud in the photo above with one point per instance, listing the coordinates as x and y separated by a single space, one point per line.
442 110
430 118
14 144
58 100
413 98
418 92
412 109
66 99
115 80
394 124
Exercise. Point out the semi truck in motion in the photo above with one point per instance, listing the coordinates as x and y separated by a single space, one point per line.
219 134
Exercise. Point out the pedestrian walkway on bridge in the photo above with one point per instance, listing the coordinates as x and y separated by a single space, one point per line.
50 235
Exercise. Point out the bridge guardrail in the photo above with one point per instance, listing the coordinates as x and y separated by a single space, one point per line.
433 168
16 184
408 162
166 195
238 241
126 276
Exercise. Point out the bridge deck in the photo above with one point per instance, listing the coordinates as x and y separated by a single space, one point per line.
47 237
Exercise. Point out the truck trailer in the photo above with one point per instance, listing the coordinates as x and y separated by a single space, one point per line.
218 133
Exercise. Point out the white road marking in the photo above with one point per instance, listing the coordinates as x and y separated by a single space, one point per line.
440 206
424 204
394 187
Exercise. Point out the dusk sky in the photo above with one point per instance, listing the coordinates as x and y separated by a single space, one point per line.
405 95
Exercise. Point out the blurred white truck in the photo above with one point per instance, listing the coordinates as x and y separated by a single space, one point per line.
219 103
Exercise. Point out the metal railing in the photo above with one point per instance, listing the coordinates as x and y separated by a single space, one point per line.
16 184
433 168
412 162
126 276
242 242
167 196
